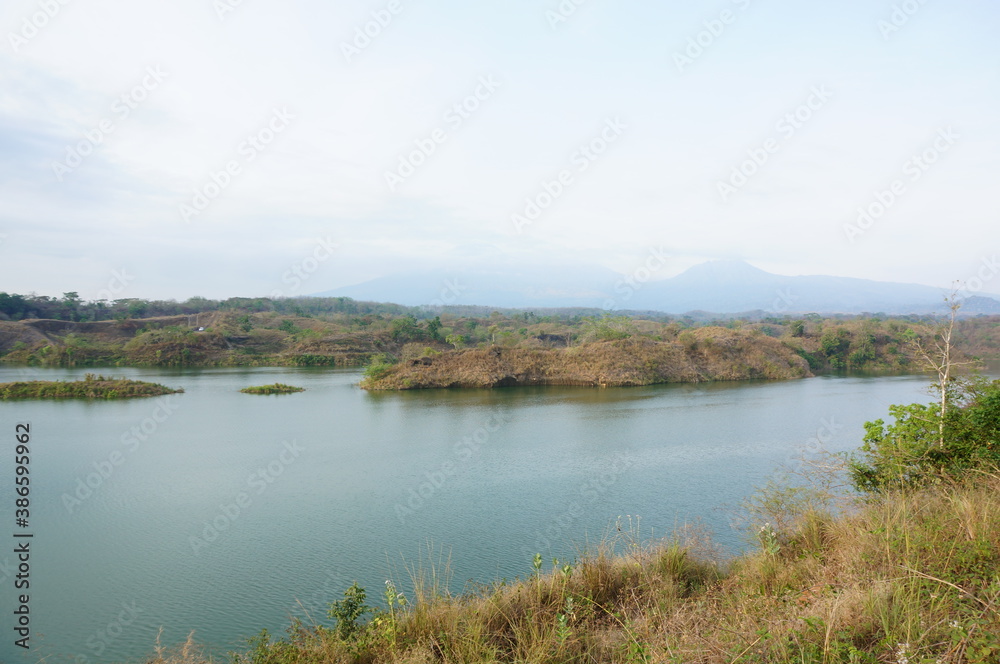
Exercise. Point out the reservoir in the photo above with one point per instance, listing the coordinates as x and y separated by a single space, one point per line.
224 513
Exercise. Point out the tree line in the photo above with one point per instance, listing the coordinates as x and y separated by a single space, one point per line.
71 307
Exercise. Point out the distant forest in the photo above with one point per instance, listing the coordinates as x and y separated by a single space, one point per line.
339 331
70 307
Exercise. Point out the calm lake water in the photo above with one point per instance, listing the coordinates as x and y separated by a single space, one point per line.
224 513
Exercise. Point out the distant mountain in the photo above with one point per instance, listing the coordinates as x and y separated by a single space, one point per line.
981 305
735 286
723 287
502 287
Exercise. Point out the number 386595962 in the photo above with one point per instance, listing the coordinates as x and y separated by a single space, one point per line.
22 433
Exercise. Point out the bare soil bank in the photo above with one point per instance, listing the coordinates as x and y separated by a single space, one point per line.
712 354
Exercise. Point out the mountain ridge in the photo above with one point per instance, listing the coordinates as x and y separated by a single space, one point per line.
719 286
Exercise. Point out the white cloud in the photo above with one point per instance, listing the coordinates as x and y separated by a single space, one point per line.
325 172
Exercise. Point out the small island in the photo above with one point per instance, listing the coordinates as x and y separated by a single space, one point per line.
91 387
707 354
277 388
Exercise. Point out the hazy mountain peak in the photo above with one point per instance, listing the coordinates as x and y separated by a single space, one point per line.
724 270
719 286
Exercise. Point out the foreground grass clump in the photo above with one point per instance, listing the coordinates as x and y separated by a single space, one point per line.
91 387
907 577
276 388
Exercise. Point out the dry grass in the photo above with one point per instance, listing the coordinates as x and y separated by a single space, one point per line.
706 354
186 653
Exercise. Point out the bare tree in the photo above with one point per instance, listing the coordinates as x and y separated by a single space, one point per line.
939 356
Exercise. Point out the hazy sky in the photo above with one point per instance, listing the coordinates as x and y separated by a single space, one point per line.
214 147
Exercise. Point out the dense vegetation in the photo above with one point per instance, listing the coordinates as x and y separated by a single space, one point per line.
921 444
218 339
335 332
91 387
276 388
70 307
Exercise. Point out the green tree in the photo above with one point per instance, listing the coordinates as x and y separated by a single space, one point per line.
434 328
137 308
862 349
834 345
71 303
13 306
378 366
607 328
404 329
349 611
921 444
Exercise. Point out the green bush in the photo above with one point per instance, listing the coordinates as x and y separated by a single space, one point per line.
834 344
916 449
349 611
276 388
379 366
608 327
405 329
